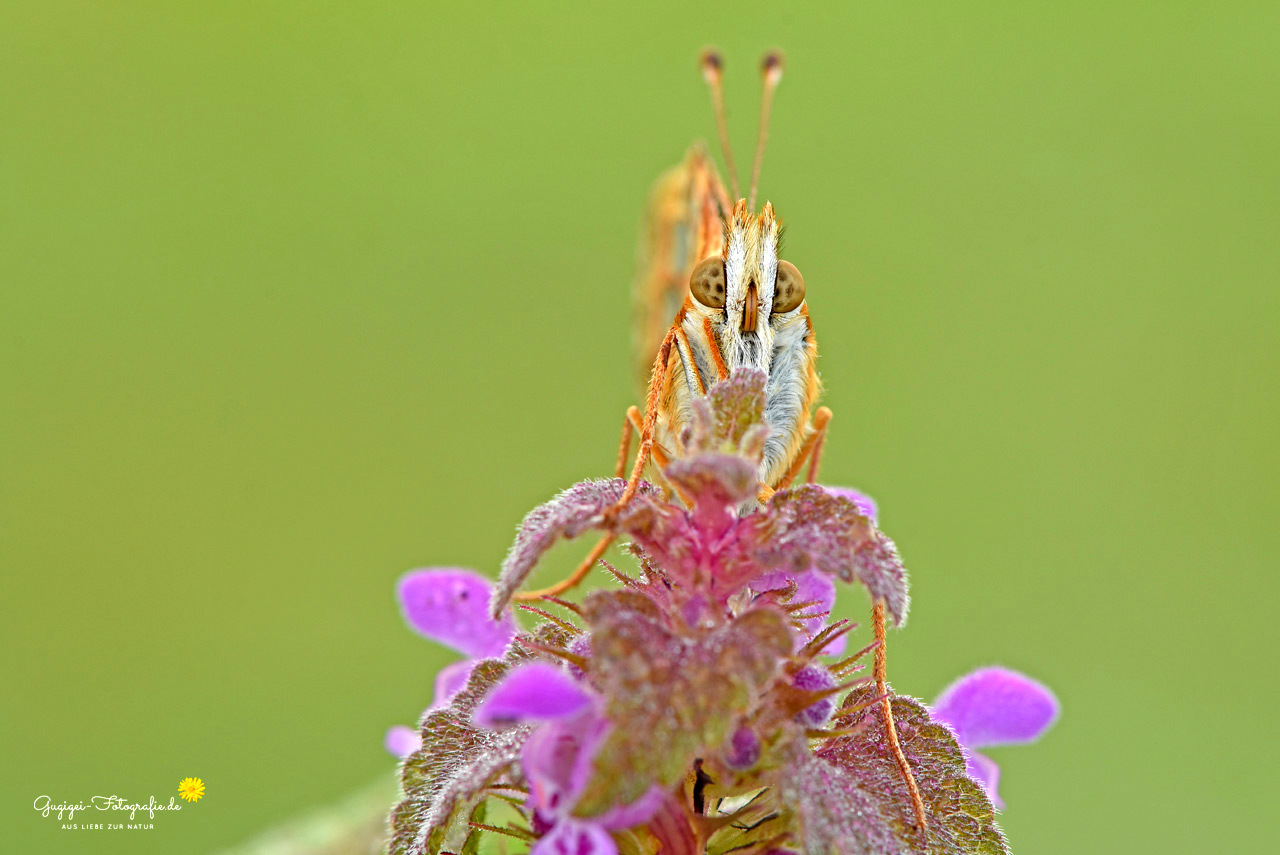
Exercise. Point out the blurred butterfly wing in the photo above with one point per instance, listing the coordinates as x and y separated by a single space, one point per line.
683 224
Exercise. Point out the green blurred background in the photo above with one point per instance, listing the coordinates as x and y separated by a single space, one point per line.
297 296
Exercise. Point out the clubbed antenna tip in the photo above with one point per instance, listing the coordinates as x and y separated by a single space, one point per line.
771 70
712 63
771 65
713 72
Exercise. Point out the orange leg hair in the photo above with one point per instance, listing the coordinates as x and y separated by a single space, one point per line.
881 675
815 456
660 456
810 450
630 424
650 422
574 578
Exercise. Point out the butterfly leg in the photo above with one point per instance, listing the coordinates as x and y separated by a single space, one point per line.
820 421
575 578
631 424
649 425
660 457
881 676
810 450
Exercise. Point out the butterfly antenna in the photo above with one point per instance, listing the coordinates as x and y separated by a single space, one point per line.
771 70
712 72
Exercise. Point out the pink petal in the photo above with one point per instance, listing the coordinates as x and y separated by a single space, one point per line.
836 646
402 741
557 760
640 811
985 771
451 680
996 706
575 837
451 606
536 692
812 586
742 750
814 678
548 759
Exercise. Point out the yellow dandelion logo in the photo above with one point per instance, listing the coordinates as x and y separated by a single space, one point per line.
191 789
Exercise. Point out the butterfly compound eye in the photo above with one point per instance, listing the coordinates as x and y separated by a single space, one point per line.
707 283
788 292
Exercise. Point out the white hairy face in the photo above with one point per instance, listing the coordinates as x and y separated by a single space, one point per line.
748 295
751 268
748 311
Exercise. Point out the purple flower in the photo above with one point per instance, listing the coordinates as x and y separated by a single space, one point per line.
449 605
558 757
402 741
995 706
812 586
814 678
574 837
449 681
743 750
536 692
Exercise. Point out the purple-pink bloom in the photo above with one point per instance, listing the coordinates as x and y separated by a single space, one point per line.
450 680
557 761
743 750
815 586
402 741
814 678
535 692
450 605
575 837
558 757
995 706
812 586
704 664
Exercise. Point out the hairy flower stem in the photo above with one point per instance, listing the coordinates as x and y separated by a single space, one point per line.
881 674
